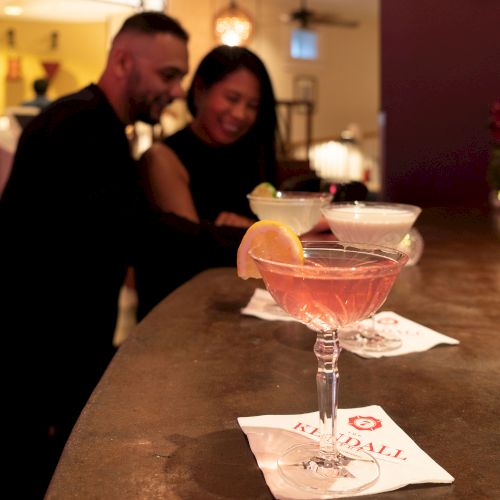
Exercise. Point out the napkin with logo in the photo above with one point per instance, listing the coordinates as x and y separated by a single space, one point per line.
415 337
401 461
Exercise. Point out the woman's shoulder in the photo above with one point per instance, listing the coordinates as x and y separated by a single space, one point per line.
158 152
190 150
158 160
182 137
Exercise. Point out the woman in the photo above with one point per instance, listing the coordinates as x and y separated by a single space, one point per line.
205 170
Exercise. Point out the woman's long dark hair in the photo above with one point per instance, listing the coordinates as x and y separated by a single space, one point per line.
214 67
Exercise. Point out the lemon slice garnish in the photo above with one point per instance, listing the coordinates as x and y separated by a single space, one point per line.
271 240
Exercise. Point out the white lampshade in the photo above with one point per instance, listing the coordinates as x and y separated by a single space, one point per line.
337 161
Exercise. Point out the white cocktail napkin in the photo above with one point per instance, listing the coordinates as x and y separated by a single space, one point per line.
369 428
415 337
263 306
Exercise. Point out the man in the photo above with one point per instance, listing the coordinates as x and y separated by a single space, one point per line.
73 219
40 100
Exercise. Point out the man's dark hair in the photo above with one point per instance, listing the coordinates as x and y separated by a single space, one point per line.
151 23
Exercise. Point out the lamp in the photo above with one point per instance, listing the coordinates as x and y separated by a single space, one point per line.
158 5
342 168
11 38
54 40
338 161
233 26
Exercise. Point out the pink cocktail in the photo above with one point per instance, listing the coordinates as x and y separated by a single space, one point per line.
338 284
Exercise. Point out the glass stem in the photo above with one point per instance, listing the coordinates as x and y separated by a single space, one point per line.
327 350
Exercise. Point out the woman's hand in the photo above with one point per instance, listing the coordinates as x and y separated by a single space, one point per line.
232 219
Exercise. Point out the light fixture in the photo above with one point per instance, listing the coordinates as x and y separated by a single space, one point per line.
338 161
54 40
233 26
13 10
11 38
158 5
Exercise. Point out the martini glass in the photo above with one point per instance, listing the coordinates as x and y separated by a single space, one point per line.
377 223
338 284
300 210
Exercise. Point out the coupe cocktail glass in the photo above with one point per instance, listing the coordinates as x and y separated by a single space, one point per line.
298 209
376 223
338 284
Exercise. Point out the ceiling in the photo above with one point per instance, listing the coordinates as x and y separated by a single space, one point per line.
68 10
99 10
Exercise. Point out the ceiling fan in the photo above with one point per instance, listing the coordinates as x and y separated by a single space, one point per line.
305 17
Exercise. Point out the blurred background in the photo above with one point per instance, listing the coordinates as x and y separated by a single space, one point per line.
395 94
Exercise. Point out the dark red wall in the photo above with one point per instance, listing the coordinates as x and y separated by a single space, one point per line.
440 70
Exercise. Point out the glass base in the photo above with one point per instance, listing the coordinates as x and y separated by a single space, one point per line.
367 340
348 472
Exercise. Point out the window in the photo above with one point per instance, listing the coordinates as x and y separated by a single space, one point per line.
304 44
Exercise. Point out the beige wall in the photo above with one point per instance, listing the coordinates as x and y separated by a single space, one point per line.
347 72
80 53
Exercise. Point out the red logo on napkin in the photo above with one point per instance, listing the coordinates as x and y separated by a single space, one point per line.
365 423
387 321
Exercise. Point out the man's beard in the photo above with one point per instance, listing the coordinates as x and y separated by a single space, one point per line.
140 107
148 112
141 111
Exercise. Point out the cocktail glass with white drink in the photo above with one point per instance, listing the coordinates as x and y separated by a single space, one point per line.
377 223
298 209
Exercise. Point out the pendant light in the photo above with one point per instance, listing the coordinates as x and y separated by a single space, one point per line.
233 26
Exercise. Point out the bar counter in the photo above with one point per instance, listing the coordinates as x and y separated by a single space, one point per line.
162 421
